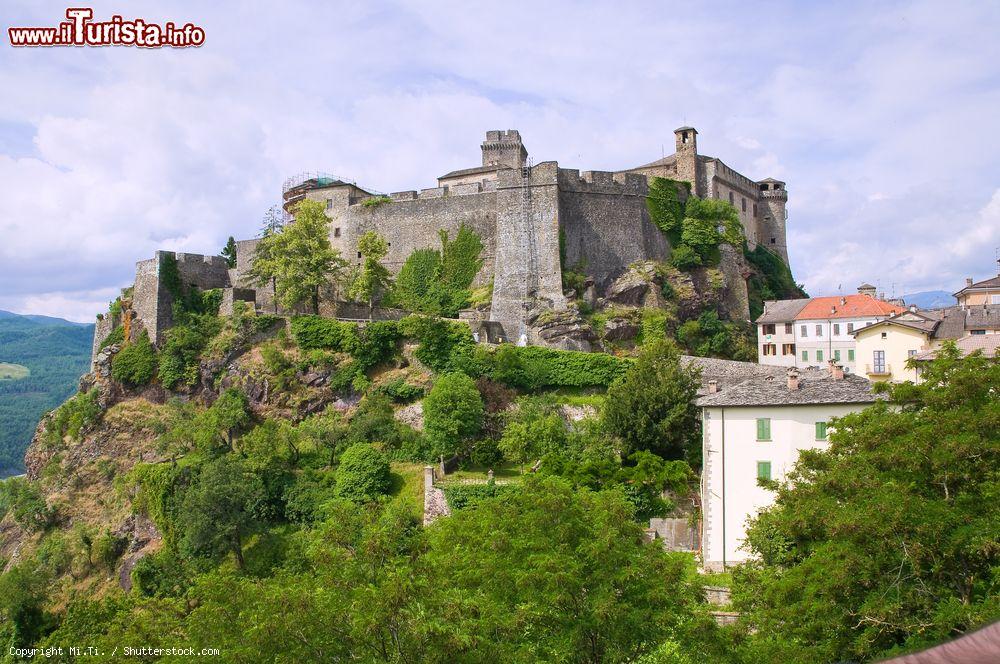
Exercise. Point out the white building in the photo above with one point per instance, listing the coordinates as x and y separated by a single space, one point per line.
755 429
811 332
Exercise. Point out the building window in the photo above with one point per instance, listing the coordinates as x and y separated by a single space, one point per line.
329 204
730 198
769 328
994 299
884 335
336 232
977 331
359 254
850 328
770 349
773 241
764 428
788 328
821 431
819 330
850 354
878 362
788 349
836 356
819 356
755 209
805 356
836 329
911 353
744 204
804 331
764 470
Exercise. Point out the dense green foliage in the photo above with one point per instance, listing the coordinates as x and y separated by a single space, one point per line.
536 367
135 363
888 540
453 413
297 259
696 228
363 474
709 336
56 353
437 282
370 280
665 207
468 496
772 279
652 406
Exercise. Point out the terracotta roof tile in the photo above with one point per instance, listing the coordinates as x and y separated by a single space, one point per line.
847 306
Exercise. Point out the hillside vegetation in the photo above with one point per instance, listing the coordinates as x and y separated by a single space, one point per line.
41 361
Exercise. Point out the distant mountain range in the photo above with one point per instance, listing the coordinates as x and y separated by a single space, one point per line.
56 352
935 299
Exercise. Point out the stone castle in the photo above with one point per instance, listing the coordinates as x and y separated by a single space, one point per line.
522 212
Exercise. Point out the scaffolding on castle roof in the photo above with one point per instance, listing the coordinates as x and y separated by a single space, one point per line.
321 179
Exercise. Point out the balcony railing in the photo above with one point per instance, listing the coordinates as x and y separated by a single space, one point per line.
881 370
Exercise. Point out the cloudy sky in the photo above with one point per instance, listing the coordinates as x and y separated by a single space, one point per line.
882 118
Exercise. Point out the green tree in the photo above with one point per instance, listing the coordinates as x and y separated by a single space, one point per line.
363 474
135 363
226 418
264 266
229 252
297 259
570 563
531 437
652 406
371 279
219 509
887 540
453 413
23 619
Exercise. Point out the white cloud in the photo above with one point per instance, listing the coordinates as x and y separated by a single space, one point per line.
885 134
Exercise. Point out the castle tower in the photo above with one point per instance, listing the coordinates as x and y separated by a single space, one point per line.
504 148
773 199
686 153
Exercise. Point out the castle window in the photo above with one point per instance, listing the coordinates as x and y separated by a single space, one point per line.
744 204
772 241
730 198
336 232
359 254
684 137
755 209
329 204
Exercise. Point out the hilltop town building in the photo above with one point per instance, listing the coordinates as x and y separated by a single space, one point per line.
529 217
810 332
754 430
980 292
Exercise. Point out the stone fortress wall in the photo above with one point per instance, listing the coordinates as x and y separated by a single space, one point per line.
520 211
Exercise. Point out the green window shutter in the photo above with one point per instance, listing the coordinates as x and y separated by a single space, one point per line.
763 428
805 356
819 356
821 431
850 355
836 355
763 470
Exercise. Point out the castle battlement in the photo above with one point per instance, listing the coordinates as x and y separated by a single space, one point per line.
779 194
603 182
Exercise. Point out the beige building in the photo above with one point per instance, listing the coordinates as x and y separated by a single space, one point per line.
883 349
982 292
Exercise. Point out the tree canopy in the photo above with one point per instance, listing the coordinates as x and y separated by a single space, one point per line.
888 540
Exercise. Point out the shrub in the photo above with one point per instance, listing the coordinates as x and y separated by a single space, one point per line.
453 413
534 367
26 503
470 496
375 343
400 391
79 412
444 344
161 574
363 474
117 336
108 548
181 351
683 257
135 364
312 332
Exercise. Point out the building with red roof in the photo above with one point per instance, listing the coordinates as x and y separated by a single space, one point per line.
811 332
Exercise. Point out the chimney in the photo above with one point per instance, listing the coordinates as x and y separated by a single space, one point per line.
968 281
836 371
843 301
713 386
913 308
793 378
